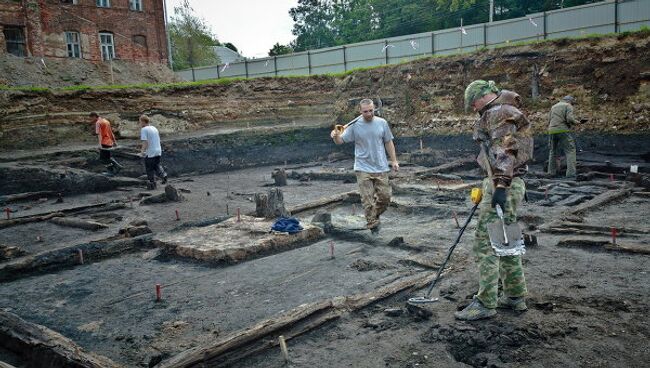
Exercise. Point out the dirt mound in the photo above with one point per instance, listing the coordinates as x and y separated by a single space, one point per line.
363 265
495 342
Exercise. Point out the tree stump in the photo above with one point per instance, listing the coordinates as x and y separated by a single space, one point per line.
280 177
270 205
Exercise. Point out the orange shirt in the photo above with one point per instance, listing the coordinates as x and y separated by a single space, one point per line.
104 131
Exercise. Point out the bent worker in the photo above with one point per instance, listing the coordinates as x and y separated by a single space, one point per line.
106 142
152 152
503 131
372 139
561 122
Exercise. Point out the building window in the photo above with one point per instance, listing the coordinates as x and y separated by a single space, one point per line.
69 2
104 3
74 47
107 46
135 5
15 40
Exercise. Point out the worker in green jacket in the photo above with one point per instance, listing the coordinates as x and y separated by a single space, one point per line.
561 122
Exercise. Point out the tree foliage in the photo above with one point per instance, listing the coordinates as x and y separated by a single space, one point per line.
323 23
280 50
192 40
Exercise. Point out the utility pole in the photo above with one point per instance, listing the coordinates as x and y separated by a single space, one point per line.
169 43
491 10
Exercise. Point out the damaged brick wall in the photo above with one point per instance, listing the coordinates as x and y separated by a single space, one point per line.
138 35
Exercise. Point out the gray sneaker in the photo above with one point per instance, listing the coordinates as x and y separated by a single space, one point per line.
475 311
516 304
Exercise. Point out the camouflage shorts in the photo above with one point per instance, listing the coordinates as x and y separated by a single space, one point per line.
492 268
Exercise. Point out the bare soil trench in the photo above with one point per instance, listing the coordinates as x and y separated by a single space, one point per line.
587 304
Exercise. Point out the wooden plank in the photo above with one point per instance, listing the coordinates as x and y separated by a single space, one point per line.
231 341
68 256
322 202
463 163
78 223
92 208
600 200
38 344
20 196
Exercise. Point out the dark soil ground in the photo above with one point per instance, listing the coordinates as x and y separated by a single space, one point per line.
587 306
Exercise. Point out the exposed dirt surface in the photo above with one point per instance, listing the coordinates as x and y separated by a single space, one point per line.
588 292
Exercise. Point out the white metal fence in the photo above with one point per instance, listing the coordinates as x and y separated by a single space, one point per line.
599 18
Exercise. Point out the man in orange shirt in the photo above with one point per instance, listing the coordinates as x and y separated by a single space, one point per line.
106 142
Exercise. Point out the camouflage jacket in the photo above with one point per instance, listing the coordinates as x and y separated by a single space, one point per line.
505 131
561 118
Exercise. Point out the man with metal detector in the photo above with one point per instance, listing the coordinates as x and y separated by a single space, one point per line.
372 138
503 133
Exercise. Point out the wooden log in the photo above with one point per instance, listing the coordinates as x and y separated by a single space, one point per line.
601 242
600 200
231 341
5 365
349 177
78 223
9 198
26 220
322 202
463 163
597 228
68 256
38 344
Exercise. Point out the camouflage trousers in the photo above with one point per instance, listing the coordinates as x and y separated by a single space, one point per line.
566 143
375 195
492 268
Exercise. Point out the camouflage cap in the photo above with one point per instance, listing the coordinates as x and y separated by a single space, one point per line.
568 98
478 89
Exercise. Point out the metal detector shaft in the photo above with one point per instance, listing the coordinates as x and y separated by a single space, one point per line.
451 250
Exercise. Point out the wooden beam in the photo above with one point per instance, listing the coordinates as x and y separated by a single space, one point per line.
38 345
78 223
600 200
322 202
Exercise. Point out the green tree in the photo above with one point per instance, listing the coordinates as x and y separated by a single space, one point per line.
280 50
313 24
191 38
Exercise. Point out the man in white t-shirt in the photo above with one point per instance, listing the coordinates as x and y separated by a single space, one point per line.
151 151
372 139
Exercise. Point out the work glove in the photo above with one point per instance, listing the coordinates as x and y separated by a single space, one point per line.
499 197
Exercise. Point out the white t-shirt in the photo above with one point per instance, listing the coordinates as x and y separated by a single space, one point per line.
369 139
151 135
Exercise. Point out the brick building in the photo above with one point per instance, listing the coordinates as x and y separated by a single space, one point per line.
131 30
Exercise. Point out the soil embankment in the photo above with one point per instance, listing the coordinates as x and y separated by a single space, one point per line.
609 76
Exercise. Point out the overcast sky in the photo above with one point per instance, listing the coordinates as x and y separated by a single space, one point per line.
253 26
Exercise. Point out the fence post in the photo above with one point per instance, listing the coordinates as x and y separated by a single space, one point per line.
345 61
433 43
484 35
386 50
246 67
275 65
616 27
544 22
308 63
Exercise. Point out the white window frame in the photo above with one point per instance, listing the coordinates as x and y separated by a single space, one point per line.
103 3
107 45
135 5
73 44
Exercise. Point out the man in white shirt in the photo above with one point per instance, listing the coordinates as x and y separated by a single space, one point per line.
372 139
151 151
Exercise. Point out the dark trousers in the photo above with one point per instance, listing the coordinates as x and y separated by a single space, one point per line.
105 157
152 166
